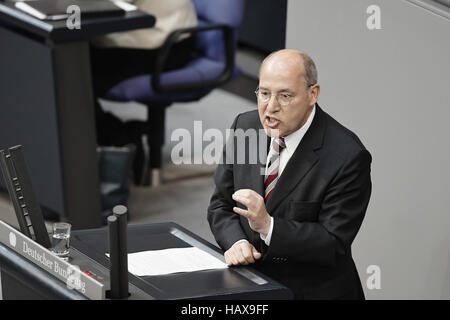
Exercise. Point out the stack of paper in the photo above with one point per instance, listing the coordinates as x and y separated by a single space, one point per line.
159 262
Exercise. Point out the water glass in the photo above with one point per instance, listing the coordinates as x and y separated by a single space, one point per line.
61 239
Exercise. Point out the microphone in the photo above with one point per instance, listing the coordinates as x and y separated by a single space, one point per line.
117 224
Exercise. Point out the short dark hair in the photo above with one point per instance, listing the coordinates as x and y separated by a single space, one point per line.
310 70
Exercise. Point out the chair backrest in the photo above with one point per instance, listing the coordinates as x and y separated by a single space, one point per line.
228 12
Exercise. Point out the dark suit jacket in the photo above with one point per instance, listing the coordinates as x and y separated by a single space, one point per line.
318 205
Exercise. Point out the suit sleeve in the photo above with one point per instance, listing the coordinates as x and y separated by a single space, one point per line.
342 212
224 223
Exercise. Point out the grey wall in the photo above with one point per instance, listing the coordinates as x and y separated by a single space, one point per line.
391 87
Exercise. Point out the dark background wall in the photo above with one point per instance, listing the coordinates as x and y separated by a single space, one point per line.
264 25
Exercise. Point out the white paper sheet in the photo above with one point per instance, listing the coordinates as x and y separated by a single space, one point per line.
124 5
159 262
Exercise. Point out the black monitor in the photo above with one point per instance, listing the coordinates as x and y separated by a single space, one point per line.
18 183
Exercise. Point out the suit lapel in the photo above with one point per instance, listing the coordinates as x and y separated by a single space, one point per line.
303 159
256 174
257 171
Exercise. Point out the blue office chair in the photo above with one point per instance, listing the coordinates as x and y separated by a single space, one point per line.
211 65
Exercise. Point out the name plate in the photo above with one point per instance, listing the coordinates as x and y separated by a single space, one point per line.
46 260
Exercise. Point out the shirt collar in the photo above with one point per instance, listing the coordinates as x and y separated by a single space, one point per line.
292 140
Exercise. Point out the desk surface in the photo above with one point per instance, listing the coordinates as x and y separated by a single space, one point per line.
231 283
57 31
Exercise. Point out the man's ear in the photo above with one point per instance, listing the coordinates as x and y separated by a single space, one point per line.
314 92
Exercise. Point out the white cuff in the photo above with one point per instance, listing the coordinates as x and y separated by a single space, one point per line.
267 238
239 241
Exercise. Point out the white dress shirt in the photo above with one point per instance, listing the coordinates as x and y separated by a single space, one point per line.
292 141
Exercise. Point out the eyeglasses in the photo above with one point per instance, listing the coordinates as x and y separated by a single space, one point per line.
264 96
283 98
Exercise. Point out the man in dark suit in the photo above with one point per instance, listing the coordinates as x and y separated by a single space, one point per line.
295 215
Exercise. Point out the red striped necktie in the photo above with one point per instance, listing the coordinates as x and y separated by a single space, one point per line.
271 177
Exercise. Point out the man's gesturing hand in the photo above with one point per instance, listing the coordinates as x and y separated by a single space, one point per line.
242 252
256 213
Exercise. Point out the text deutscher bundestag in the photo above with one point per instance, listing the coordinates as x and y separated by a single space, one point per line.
67 273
